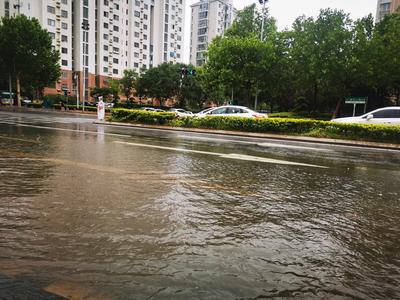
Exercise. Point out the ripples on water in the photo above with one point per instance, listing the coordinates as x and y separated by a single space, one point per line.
111 222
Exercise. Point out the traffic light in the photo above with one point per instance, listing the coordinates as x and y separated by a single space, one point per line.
188 72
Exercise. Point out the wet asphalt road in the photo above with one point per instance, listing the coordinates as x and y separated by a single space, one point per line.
103 212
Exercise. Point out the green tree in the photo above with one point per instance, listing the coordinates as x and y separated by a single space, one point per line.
161 82
240 63
248 24
320 56
26 52
385 47
128 83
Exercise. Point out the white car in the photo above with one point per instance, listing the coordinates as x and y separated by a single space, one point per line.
387 116
232 111
181 112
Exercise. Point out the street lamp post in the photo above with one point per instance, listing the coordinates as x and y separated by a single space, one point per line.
263 2
76 78
85 28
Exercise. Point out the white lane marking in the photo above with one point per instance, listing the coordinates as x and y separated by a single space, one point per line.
273 145
223 155
69 130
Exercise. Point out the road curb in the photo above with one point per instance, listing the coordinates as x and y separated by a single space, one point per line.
325 141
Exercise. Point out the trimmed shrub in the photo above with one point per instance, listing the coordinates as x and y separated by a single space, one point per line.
142 116
303 127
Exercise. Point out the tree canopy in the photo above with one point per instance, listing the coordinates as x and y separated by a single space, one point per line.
26 53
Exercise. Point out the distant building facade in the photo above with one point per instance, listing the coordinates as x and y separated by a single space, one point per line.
209 18
386 7
121 34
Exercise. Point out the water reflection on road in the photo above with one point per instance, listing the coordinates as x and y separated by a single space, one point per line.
87 212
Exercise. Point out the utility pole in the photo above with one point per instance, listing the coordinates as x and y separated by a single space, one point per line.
17 7
85 28
77 89
263 2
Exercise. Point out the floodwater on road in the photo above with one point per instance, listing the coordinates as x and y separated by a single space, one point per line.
93 212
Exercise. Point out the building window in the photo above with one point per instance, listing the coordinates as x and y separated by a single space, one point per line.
105 36
51 9
116 50
64 25
85 13
64 62
64 1
64 13
136 34
116 39
106 14
116 17
64 50
115 60
51 22
116 28
64 38
105 58
52 35
105 25
115 71
105 69
136 45
105 47
136 14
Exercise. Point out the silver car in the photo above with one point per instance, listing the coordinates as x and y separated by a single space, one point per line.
233 111
386 116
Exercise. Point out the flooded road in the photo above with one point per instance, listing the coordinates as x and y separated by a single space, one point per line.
93 212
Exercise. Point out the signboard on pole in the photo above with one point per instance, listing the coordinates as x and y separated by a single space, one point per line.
356 100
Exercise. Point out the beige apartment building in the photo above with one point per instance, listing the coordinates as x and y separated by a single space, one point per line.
209 18
119 34
386 7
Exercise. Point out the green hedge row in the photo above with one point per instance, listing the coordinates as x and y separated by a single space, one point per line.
142 116
303 127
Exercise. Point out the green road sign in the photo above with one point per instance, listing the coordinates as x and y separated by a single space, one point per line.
356 100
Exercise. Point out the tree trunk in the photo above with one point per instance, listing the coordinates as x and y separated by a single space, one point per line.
337 109
18 91
315 96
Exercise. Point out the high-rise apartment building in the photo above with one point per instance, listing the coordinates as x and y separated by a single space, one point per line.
105 37
209 19
386 7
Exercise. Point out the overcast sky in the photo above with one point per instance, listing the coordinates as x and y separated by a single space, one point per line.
285 12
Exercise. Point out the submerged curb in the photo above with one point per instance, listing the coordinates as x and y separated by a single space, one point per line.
387 146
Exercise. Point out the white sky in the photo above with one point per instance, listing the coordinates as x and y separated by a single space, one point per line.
286 11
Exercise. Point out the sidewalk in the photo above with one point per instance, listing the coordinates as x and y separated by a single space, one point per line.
325 141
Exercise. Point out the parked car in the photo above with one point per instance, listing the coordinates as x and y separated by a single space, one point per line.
386 115
152 109
90 103
26 101
199 114
233 111
181 112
